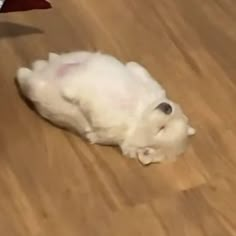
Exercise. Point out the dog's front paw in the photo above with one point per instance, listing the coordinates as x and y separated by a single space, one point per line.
91 137
129 152
191 131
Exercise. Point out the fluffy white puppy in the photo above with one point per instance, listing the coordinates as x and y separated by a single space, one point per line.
107 102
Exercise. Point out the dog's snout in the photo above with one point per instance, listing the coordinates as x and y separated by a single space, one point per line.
165 107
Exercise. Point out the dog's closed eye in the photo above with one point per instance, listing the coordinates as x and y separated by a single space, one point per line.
160 129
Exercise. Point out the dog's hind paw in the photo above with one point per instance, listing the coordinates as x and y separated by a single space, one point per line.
23 73
52 56
39 65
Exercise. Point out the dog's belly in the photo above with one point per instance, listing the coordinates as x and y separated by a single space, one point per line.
107 93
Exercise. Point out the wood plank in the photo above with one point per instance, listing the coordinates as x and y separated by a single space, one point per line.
53 183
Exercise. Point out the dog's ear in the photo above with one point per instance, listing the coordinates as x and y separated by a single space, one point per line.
149 155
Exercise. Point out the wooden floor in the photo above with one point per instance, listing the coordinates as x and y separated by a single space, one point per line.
54 184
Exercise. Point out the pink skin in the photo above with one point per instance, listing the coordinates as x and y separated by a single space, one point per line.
125 102
64 68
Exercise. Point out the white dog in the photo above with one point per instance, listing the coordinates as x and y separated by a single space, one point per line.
107 102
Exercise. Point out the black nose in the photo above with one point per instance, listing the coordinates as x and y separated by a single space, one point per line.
165 107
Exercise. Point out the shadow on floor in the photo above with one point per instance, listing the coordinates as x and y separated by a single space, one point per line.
12 30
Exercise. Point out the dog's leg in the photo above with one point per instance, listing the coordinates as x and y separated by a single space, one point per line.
138 70
53 56
30 86
23 77
141 73
70 92
82 125
91 137
128 150
39 65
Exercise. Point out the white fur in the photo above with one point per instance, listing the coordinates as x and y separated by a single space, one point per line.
107 102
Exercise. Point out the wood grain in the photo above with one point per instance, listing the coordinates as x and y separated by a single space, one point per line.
54 184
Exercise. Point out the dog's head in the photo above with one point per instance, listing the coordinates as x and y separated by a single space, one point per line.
162 133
